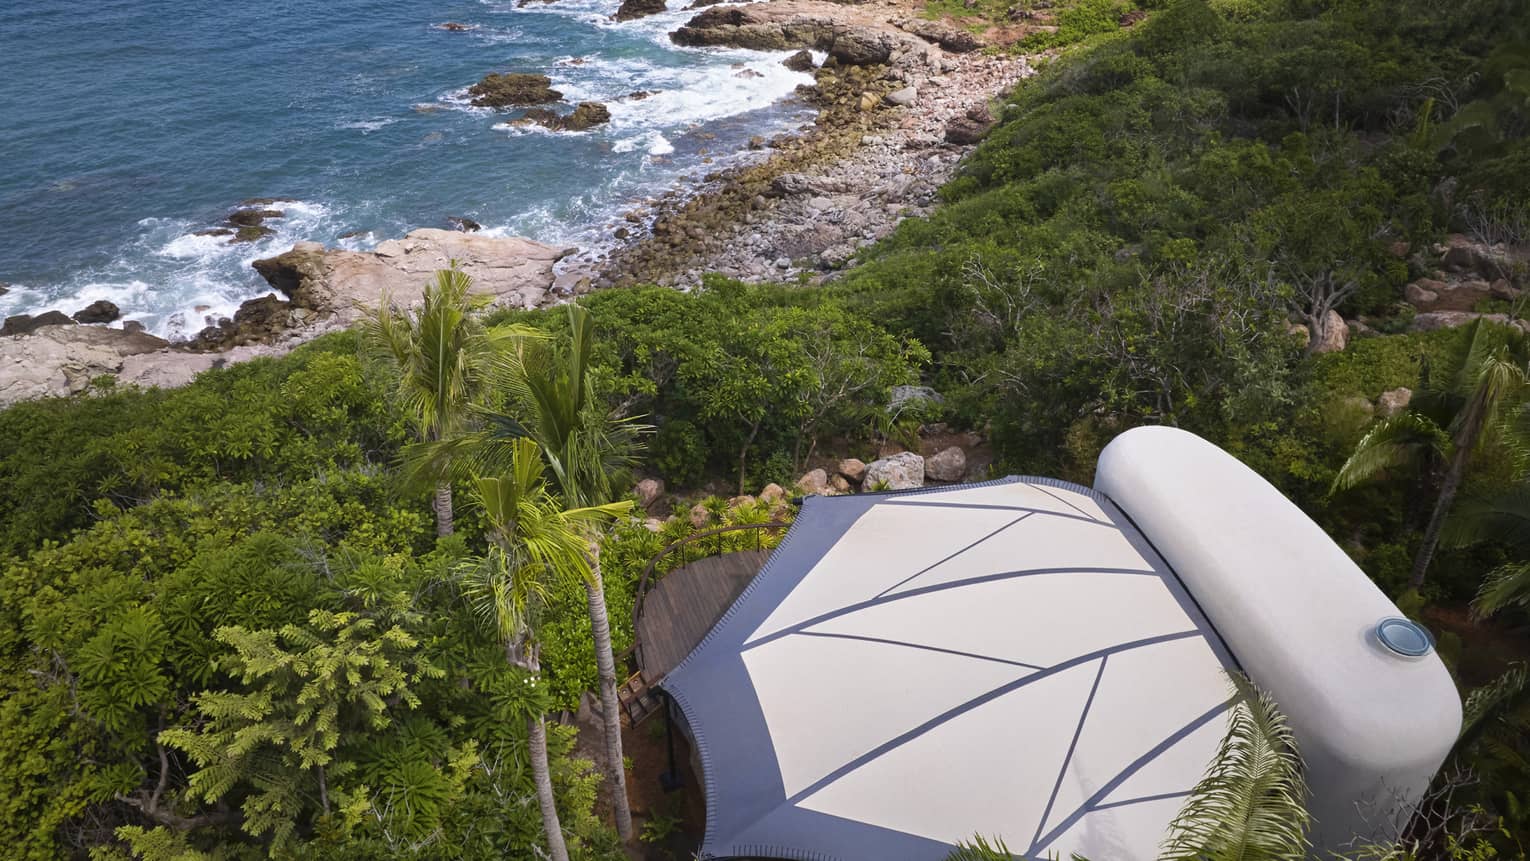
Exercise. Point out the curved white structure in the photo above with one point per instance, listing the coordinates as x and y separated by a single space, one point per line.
1301 618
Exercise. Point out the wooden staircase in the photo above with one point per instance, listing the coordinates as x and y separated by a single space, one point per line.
638 700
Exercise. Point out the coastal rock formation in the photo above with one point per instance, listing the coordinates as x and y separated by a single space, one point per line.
802 61
463 223
21 324
947 36
632 9
586 116
100 311
765 27
62 360
514 89
337 284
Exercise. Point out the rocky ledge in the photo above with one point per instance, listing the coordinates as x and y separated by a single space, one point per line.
851 40
321 289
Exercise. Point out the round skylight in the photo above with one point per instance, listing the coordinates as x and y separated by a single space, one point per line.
1405 637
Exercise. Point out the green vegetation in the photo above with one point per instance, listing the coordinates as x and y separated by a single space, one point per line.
184 574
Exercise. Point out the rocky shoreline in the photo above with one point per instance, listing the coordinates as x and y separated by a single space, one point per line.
899 101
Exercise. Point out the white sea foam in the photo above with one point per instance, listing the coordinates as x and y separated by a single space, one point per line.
366 127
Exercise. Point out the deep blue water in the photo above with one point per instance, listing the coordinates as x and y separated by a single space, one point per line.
127 125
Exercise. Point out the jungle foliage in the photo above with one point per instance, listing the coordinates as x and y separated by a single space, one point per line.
228 629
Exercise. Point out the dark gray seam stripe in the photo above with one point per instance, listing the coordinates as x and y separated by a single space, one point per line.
978 506
975 656
1072 746
981 700
1089 804
927 568
939 587
1064 502
1143 800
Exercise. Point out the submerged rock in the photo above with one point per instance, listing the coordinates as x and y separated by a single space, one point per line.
251 233
585 116
514 89
100 311
251 217
633 9
463 223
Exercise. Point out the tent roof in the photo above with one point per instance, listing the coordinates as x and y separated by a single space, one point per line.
1009 659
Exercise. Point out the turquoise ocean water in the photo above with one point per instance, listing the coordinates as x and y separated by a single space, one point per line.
128 125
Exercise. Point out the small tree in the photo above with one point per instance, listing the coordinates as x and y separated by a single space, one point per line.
535 545
443 355
1454 412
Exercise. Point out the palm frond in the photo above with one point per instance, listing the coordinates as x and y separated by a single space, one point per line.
1506 586
1489 704
979 849
1393 442
1503 517
1252 801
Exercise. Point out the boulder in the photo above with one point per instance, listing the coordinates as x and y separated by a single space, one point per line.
772 493
947 36
133 326
852 468
700 515
514 89
454 27
916 397
839 484
950 464
853 47
1429 321
740 501
22 324
1334 335
632 9
463 223
964 130
815 483
868 102
902 98
4 288
648 492
1300 334
99 311
802 61
1393 401
898 472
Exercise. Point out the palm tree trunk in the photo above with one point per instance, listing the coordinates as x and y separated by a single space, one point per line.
610 709
551 828
1448 488
443 507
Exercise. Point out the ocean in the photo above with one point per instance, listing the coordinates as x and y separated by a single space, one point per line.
130 125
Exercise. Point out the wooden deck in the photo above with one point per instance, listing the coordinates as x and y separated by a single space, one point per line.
684 605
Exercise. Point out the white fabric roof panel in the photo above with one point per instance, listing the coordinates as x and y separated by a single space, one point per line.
1009 659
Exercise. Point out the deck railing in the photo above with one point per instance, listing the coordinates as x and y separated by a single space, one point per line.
698 541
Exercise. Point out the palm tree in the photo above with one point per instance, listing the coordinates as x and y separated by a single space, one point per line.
535 544
551 399
443 356
1249 806
1503 518
1445 423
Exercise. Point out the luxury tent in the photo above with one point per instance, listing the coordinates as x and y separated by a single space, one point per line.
1046 663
